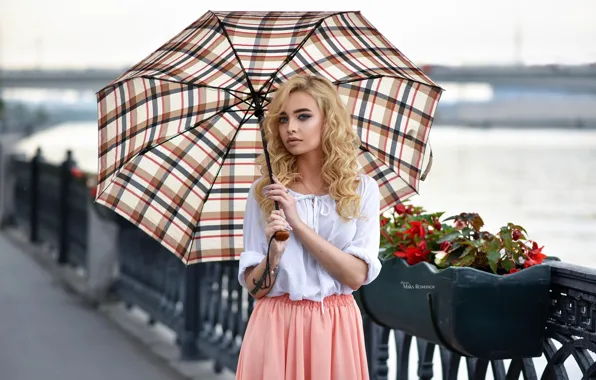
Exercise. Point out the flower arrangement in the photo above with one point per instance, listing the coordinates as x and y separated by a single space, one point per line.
415 235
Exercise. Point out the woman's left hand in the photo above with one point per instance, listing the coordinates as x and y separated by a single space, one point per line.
278 192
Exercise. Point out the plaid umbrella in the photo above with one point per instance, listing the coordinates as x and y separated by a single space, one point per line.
179 132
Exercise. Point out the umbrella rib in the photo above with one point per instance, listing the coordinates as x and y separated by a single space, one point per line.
142 151
340 82
231 92
203 86
227 36
291 56
226 109
196 226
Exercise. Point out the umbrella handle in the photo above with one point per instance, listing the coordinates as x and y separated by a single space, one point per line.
282 235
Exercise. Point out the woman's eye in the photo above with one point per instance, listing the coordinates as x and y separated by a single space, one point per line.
303 117
283 120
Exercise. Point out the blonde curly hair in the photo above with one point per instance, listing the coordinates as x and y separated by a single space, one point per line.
340 145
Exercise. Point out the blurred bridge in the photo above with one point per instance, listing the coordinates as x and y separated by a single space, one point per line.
581 78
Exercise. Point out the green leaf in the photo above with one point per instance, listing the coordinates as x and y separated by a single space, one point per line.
508 265
505 234
467 258
448 237
493 245
507 242
456 245
466 231
516 227
493 259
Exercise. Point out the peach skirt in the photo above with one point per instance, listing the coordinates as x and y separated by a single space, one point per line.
295 340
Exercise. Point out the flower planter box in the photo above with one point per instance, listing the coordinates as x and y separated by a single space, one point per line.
471 312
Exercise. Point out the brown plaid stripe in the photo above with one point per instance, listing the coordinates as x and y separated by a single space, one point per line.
178 139
263 41
393 119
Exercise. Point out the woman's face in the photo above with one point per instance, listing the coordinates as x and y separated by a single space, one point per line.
301 124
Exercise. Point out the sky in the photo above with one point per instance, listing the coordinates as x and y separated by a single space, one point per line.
119 33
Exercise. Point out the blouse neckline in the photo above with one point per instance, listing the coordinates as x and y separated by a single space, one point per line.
308 195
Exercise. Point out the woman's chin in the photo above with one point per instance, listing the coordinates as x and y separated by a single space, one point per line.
294 150
298 150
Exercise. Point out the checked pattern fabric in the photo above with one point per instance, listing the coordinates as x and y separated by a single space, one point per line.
178 136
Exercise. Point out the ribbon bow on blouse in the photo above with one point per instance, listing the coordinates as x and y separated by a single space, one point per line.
319 207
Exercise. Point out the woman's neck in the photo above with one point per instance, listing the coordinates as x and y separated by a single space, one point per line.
310 166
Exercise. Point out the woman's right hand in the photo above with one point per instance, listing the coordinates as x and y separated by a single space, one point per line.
277 222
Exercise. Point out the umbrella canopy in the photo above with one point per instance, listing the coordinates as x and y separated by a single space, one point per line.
178 135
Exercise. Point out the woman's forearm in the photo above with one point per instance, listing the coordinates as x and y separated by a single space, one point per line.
255 281
347 269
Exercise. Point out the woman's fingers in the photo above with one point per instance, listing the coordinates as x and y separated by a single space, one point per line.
272 229
279 198
277 192
276 215
278 225
275 188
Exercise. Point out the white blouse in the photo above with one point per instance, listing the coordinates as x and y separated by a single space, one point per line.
300 275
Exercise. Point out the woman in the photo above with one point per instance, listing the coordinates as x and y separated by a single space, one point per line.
306 324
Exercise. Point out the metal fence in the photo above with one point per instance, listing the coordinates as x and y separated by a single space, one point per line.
50 204
208 310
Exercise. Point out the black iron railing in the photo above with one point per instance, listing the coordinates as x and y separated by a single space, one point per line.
51 205
208 310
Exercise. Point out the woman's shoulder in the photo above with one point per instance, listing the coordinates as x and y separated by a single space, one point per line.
256 183
367 185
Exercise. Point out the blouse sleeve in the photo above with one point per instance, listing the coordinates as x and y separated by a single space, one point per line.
255 241
366 242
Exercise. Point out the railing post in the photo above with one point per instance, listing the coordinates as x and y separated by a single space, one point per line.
65 180
377 352
190 319
34 196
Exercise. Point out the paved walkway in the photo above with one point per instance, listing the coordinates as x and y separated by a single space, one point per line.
45 333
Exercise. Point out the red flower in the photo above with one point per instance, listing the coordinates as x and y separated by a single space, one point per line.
383 222
536 254
513 270
413 255
416 229
437 225
400 209
516 235
445 246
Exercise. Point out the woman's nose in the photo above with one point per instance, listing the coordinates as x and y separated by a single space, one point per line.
292 126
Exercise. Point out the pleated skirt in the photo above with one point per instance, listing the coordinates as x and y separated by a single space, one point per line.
301 340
